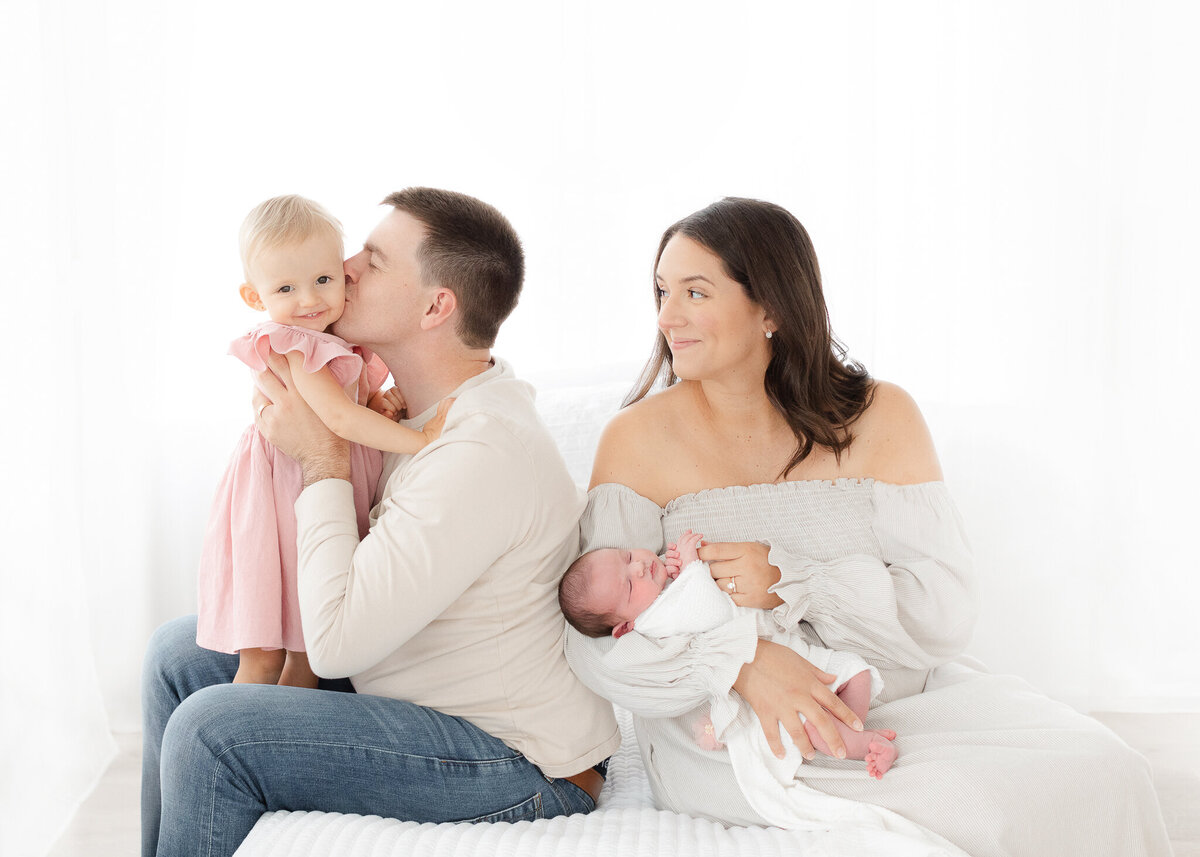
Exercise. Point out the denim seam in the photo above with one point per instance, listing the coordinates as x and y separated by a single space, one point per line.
438 759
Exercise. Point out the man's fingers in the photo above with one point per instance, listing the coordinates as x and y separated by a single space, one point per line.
269 383
278 364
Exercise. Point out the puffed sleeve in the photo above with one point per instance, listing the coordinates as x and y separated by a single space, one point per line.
652 678
374 368
914 606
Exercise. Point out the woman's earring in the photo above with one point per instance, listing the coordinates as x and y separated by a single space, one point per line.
768 334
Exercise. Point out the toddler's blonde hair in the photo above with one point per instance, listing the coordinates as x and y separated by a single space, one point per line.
284 220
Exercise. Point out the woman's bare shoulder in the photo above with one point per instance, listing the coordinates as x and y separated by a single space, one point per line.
636 441
892 441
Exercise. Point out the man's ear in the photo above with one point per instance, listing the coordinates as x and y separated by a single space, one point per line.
250 296
441 306
622 629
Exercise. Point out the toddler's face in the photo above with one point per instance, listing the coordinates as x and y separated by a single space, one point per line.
301 284
623 583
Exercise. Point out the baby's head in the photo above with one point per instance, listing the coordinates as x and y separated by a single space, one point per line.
292 258
605 590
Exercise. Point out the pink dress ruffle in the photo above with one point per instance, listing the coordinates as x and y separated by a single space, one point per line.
247 593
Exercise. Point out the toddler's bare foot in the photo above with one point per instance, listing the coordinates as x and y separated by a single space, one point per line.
886 733
881 752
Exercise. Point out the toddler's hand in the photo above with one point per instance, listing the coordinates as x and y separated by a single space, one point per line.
390 404
433 429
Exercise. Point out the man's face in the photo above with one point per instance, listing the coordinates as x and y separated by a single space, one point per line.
384 291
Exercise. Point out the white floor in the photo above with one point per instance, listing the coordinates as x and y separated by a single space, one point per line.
107 823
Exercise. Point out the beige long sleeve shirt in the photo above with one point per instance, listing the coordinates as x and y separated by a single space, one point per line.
451 599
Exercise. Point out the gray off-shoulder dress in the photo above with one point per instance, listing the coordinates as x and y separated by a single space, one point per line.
883 571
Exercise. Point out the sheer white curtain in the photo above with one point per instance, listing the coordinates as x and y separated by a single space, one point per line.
1001 195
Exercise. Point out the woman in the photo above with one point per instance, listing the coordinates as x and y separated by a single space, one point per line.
821 493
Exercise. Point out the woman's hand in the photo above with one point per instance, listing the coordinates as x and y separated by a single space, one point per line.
286 420
747 562
777 684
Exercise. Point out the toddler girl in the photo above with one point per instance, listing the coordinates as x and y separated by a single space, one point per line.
292 257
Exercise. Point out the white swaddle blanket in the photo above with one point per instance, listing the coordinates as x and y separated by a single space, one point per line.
694 603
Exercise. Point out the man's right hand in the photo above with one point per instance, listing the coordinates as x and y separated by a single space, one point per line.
286 420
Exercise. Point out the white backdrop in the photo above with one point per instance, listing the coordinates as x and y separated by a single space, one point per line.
1002 196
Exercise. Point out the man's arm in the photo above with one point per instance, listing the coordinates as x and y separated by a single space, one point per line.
461 505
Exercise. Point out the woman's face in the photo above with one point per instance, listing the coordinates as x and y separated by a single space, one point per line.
711 327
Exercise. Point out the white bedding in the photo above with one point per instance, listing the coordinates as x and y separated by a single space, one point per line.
625 823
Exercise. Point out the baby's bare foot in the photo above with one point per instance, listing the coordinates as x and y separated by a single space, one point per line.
881 753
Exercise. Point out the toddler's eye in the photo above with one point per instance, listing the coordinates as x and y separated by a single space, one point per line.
322 280
283 290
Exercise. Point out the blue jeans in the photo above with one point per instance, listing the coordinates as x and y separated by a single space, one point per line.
216 756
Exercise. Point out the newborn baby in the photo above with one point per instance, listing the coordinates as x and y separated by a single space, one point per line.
618 590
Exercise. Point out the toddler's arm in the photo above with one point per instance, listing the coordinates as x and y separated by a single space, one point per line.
355 423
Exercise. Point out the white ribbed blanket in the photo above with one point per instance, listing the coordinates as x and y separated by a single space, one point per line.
625 823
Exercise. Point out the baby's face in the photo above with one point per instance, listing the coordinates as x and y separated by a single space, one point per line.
301 284
623 583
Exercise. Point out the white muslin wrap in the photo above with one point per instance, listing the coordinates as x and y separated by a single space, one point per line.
693 604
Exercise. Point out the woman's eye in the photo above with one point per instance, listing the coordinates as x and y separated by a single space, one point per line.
322 280
660 292
693 294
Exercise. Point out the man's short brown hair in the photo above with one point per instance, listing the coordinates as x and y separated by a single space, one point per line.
471 249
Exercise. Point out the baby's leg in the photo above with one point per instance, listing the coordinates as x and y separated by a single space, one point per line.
856 693
297 672
259 666
874 746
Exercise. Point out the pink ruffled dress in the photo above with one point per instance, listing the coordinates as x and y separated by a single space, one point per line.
248 596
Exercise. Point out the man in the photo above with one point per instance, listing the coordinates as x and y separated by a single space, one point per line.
445 616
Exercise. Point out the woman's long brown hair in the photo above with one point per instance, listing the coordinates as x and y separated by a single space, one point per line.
817 389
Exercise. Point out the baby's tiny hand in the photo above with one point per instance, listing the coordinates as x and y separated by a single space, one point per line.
689 547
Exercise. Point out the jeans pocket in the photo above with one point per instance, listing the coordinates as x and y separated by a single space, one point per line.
526 810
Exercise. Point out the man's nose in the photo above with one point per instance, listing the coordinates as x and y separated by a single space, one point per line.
352 268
